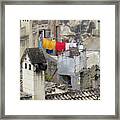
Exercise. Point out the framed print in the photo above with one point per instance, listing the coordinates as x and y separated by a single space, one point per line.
60 59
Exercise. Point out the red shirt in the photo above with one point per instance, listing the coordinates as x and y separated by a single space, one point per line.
60 46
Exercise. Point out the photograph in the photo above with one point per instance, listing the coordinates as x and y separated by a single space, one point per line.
60 59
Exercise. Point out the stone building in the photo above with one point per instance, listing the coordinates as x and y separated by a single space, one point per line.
69 66
33 66
60 30
90 78
26 38
30 31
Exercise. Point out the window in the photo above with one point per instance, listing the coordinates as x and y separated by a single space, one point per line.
29 66
25 65
21 66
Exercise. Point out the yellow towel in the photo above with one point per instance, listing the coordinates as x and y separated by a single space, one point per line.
54 44
48 44
45 43
51 45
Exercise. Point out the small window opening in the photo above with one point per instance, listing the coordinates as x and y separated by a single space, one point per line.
29 66
25 65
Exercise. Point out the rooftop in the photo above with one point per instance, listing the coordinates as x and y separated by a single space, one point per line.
75 95
36 55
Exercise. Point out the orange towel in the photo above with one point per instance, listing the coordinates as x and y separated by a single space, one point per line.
48 44
51 45
45 43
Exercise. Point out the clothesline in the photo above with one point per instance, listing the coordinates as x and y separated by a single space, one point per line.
55 45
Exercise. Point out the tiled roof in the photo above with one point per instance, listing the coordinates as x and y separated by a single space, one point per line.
37 58
77 95
36 55
25 96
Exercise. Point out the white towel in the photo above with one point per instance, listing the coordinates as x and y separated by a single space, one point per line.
73 44
67 45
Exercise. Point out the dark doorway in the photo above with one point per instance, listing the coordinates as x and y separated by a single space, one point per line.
66 79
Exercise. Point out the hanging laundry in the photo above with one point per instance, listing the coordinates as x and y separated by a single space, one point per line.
67 46
49 51
39 44
41 36
73 44
70 45
45 43
60 46
51 45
